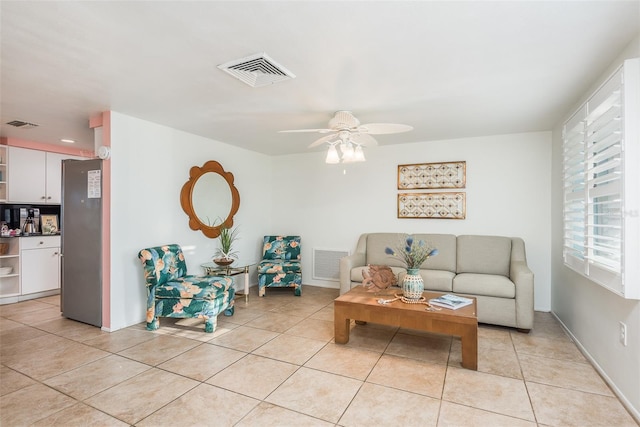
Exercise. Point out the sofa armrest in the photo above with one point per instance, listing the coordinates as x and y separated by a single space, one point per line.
346 264
522 277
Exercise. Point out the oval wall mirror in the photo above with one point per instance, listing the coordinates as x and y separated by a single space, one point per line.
209 198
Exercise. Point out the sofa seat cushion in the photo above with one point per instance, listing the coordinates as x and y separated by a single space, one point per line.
484 284
437 280
194 287
196 307
278 267
280 280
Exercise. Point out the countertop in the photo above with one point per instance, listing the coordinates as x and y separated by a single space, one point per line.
29 235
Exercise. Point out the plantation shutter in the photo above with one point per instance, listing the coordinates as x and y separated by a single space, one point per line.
601 171
604 179
574 191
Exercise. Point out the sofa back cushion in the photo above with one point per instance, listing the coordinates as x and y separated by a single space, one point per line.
445 243
377 242
281 247
484 254
162 264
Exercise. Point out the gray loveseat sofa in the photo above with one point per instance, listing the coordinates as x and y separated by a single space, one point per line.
491 268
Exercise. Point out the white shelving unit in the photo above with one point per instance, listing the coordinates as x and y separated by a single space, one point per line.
35 268
10 283
3 173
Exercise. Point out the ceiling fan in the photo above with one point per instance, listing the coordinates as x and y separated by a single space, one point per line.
346 132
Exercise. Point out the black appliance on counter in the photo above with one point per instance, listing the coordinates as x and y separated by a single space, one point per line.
11 216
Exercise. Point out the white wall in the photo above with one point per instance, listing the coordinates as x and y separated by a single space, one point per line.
513 189
590 312
508 178
150 164
508 193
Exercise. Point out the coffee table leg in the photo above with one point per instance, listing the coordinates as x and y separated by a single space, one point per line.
470 348
341 325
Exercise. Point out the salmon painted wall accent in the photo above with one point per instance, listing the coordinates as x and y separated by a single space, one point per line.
104 121
23 143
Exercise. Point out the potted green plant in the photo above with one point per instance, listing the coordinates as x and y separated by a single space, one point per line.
225 254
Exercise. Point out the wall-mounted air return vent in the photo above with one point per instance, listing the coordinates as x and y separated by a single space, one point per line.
326 263
257 70
22 125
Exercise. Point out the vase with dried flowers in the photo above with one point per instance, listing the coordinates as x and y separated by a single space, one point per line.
412 254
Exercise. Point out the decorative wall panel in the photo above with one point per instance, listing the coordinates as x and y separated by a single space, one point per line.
432 205
432 175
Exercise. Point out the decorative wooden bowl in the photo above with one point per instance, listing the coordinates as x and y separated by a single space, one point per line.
223 261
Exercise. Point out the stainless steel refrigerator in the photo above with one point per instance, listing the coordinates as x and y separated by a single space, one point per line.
81 219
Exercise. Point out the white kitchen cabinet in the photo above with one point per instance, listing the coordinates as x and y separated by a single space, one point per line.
35 176
26 169
39 264
54 176
35 268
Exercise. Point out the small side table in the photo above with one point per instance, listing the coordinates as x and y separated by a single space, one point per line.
237 267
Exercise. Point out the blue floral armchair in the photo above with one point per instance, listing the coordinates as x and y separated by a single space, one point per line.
280 265
173 293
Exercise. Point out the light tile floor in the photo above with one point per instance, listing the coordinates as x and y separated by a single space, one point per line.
274 363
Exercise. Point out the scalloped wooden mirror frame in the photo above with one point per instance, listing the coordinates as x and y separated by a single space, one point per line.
186 198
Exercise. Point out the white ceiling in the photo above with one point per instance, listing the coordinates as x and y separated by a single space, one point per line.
449 69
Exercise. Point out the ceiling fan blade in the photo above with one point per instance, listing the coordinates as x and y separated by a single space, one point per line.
322 140
306 130
364 139
383 128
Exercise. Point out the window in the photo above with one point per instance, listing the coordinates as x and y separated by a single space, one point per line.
601 158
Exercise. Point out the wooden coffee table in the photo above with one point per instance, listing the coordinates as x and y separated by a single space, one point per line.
358 304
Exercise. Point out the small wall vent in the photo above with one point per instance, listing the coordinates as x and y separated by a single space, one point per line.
257 70
22 125
326 264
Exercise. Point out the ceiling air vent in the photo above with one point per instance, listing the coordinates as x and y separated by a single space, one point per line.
257 70
22 125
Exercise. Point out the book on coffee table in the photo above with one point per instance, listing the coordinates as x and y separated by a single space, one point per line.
451 301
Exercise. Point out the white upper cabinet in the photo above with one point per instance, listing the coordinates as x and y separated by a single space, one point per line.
54 177
35 176
26 176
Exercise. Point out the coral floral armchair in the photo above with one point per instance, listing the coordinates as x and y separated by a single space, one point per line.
280 265
173 293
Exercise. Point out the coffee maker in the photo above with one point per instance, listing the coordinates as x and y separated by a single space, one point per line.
29 220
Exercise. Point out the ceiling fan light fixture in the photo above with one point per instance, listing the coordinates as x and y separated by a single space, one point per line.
346 132
347 152
332 156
